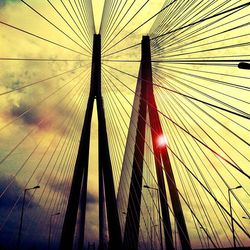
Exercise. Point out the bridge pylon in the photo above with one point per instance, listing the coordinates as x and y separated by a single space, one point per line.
162 163
78 192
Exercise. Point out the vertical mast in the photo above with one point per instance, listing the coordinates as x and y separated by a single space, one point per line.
156 131
79 181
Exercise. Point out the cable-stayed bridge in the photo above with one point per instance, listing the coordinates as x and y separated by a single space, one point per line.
124 124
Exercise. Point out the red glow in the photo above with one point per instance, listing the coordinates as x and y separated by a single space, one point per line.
162 141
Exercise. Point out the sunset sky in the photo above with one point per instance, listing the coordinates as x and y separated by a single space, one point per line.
43 101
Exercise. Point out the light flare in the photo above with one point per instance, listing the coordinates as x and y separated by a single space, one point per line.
162 141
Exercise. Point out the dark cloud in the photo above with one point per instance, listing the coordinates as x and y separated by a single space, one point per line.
16 84
8 235
4 2
29 118
12 194
59 186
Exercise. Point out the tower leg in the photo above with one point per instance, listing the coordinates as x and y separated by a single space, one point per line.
83 200
132 224
156 131
101 211
115 238
178 213
82 160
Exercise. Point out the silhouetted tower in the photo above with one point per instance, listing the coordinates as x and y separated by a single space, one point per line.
148 104
80 176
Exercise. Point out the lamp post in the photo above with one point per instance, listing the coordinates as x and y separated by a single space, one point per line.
247 218
231 215
22 212
151 235
175 235
50 226
206 233
159 215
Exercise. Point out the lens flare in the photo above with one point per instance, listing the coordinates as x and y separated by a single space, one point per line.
162 141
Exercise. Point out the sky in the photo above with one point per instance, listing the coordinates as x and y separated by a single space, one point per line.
43 106
25 111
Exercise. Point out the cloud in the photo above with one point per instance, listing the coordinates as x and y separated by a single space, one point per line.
59 186
29 115
4 2
9 232
12 194
29 118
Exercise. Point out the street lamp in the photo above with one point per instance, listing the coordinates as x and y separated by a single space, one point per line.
244 65
247 218
206 233
151 235
159 215
50 226
231 215
175 235
21 219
